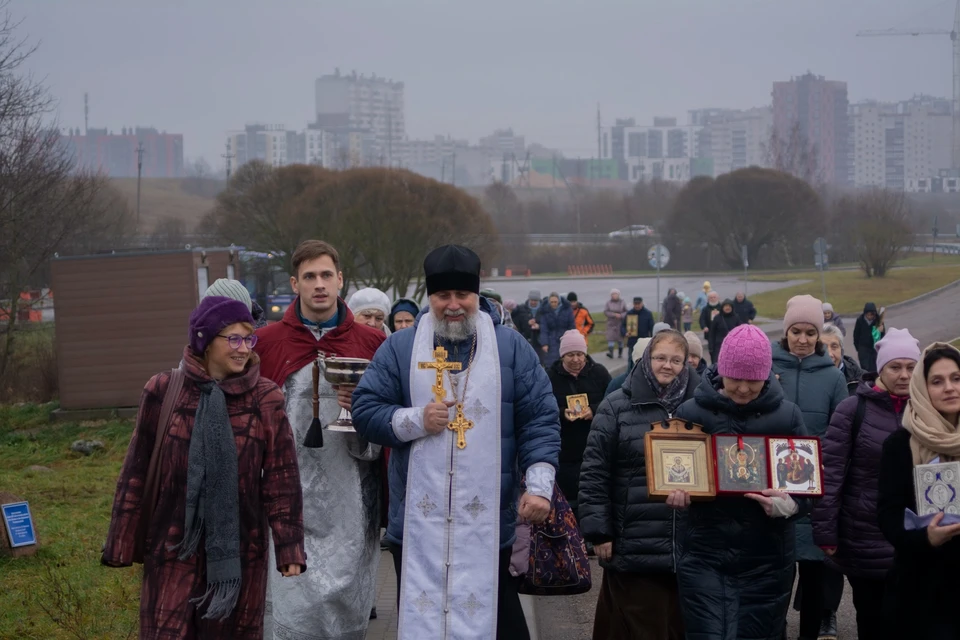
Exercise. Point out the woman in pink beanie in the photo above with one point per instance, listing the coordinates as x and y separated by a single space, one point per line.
811 380
736 570
845 521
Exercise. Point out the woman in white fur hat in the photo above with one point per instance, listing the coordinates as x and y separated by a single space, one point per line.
370 307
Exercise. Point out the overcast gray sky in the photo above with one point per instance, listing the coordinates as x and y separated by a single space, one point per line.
202 67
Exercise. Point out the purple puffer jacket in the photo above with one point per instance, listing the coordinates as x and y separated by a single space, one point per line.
846 517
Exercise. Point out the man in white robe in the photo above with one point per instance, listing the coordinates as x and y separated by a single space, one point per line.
457 459
341 481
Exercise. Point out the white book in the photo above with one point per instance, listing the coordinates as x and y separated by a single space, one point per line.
938 488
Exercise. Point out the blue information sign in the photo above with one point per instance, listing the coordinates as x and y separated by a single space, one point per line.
19 524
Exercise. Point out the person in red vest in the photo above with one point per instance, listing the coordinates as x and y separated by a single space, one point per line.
340 478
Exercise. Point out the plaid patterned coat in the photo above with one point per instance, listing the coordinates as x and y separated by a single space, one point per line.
270 495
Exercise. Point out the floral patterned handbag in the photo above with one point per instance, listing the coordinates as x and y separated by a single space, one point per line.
558 555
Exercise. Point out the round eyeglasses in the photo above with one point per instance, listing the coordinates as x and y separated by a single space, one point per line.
235 340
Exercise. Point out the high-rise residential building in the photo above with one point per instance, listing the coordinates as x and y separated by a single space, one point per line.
819 107
116 154
732 138
665 151
332 147
364 103
504 142
901 146
274 144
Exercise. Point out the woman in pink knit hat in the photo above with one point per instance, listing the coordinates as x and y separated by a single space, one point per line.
736 570
811 380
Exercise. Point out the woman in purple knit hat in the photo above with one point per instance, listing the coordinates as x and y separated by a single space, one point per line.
735 572
228 471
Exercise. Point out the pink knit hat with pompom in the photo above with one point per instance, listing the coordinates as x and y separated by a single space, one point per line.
746 354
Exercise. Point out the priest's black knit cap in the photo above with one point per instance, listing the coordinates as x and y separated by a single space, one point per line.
452 268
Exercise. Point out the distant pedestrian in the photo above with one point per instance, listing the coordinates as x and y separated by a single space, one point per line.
831 317
637 323
526 319
723 323
673 310
581 315
708 313
686 314
555 320
614 310
702 297
867 332
744 308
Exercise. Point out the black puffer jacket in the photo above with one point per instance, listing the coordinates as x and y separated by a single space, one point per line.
722 325
593 381
736 569
613 482
852 373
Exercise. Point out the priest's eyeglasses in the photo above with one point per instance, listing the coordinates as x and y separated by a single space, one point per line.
236 340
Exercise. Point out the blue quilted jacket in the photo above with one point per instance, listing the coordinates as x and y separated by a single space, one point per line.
529 416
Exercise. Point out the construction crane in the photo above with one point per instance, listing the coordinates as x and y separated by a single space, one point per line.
955 104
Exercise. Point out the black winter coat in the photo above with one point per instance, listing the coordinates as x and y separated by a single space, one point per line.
923 582
645 324
852 374
736 569
522 316
673 312
706 315
613 482
846 517
593 381
722 325
863 339
745 310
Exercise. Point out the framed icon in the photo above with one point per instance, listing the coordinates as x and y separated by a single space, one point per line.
795 465
679 456
578 403
741 463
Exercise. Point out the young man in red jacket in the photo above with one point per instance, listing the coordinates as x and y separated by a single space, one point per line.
341 516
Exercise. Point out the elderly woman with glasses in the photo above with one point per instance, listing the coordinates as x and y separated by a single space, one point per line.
636 540
227 471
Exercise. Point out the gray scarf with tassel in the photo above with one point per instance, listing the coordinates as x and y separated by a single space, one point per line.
213 503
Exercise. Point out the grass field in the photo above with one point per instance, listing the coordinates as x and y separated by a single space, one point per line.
71 508
165 197
849 290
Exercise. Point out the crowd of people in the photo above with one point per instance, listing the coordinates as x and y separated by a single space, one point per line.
248 528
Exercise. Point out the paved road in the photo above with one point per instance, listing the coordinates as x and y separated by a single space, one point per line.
594 292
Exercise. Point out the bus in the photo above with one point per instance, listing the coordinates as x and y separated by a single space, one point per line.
268 282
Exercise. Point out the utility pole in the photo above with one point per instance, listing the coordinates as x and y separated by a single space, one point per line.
453 171
139 175
228 157
599 146
86 112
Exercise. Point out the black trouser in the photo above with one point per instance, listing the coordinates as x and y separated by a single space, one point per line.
821 588
868 599
511 624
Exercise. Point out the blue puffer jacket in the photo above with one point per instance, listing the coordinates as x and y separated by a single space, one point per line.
553 324
817 386
529 416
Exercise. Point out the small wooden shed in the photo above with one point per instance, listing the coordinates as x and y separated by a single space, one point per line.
122 317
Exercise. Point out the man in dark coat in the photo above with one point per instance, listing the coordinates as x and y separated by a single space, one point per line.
573 374
556 318
673 311
744 308
525 319
866 333
637 323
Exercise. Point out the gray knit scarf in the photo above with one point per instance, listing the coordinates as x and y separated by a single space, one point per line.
213 503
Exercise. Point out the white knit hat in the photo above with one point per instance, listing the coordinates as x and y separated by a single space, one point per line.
369 298
232 289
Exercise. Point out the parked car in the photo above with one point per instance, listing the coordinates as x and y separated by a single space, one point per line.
633 231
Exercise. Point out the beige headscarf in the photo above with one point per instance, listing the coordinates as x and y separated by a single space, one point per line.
930 434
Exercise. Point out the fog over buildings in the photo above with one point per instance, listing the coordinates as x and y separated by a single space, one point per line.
470 92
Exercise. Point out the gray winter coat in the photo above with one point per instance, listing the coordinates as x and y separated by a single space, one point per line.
613 322
614 505
817 386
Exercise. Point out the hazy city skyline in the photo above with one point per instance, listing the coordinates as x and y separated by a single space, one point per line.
538 67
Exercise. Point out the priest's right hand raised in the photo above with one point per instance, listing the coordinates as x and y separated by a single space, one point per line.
436 416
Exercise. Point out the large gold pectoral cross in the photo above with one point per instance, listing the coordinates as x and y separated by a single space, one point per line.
460 424
441 365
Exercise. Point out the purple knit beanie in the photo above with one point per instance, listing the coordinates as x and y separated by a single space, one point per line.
211 316
897 344
746 354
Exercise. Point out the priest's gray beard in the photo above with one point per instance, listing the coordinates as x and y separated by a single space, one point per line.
456 331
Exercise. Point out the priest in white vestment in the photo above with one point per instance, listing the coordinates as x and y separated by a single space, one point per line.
458 452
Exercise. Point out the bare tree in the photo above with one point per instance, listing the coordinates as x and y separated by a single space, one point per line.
881 225
169 233
793 153
46 204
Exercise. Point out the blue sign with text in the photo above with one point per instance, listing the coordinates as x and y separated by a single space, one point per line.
19 524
